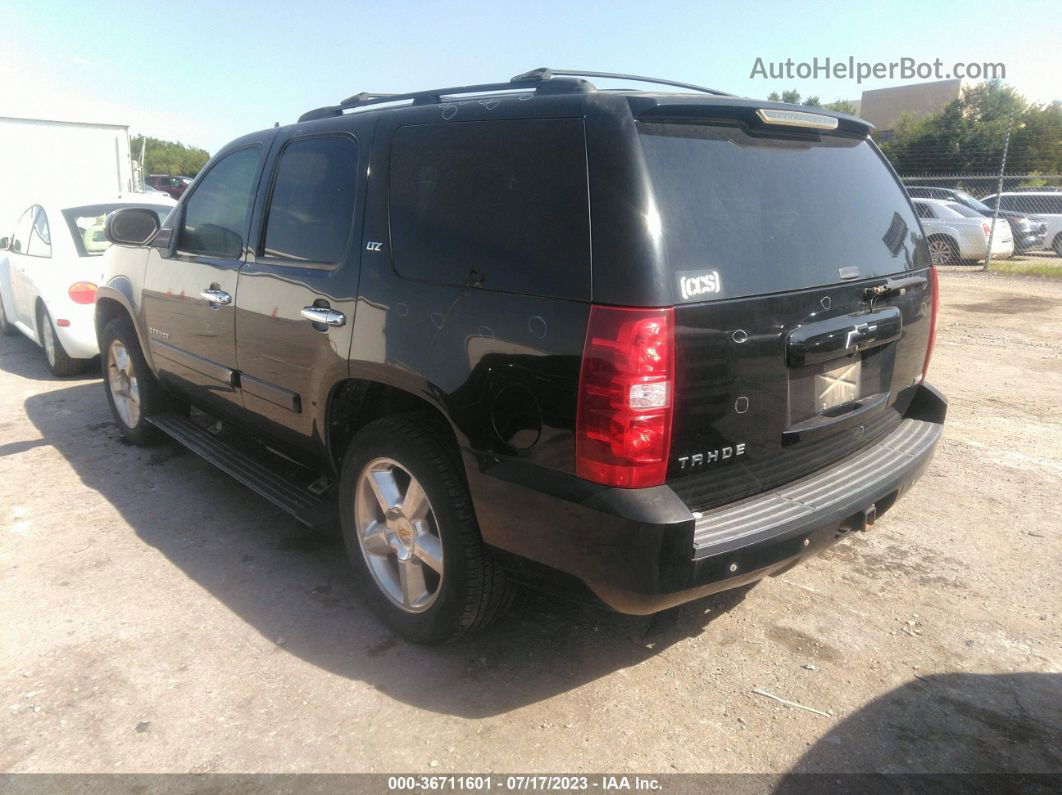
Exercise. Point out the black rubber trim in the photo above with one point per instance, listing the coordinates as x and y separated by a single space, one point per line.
271 393
210 369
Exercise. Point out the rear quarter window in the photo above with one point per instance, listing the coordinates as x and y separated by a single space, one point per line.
498 204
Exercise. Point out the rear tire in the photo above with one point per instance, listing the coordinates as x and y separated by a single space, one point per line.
1056 244
411 532
133 392
943 251
7 328
59 361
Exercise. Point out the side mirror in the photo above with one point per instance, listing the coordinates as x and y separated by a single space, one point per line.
5 243
131 226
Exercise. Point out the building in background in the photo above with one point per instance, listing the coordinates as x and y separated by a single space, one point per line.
43 157
883 107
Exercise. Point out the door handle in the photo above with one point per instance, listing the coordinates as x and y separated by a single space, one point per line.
324 316
216 296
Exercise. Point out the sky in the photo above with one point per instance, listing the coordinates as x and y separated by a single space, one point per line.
206 72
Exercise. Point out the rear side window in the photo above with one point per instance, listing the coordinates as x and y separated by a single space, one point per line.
498 204
312 204
40 239
1031 204
215 218
1048 205
747 214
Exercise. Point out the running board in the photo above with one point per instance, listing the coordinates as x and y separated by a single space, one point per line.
273 479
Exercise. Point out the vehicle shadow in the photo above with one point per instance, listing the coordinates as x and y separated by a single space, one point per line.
296 587
22 357
945 723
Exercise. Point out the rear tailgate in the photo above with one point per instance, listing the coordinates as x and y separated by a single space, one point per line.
751 413
802 301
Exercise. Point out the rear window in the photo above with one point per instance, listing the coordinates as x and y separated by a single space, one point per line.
965 212
498 204
746 215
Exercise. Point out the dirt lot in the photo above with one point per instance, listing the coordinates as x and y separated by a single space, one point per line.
159 617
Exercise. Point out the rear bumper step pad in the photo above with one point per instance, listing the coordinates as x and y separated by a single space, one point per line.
834 493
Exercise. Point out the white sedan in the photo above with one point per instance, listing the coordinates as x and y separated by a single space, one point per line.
956 233
49 270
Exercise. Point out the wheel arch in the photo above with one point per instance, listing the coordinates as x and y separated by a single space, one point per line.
114 299
355 402
39 308
944 235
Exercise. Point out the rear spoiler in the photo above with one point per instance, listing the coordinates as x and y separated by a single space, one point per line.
755 114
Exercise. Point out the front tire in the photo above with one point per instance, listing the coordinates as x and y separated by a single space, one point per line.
133 393
59 361
411 532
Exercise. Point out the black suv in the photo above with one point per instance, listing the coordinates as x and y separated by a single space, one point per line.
640 347
1028 230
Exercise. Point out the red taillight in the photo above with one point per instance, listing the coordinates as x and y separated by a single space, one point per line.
626 387
932 319
82 292
986 228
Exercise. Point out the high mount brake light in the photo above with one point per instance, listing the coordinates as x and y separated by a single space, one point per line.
626 389
82 292
797 118
933 281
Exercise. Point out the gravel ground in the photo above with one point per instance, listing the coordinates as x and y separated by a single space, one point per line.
159 617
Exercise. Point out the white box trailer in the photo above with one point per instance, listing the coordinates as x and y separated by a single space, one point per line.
43 157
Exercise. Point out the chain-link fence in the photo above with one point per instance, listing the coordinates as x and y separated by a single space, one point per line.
970 221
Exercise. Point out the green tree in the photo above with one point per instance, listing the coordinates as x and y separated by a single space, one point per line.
968 135
842 106
792 96
168 157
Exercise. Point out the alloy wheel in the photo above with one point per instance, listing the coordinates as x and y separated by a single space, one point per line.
940 252
122 382
399 535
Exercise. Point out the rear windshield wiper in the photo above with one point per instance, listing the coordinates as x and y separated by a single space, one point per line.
894 287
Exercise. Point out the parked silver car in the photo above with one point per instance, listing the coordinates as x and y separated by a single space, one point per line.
958 233
1046 204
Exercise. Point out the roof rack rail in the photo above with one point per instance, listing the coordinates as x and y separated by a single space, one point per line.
543 80
436 96
546 73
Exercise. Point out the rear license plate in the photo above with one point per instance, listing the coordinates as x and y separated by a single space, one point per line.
817 389
839 384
